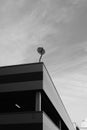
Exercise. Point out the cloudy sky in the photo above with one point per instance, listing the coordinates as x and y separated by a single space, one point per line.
60 26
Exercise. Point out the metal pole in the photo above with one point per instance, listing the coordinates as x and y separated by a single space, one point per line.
40 58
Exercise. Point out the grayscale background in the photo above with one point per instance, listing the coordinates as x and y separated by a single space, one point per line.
60 26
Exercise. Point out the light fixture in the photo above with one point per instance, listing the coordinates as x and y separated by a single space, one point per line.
41 51
17 106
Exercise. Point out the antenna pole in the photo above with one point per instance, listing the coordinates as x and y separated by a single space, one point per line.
40 58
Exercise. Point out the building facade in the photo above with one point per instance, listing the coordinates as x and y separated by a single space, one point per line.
83 128
29 100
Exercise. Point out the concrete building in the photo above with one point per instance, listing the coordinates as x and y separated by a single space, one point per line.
29 100
83 128
84 124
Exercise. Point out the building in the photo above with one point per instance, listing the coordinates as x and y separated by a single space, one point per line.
29 100
83 128
84 124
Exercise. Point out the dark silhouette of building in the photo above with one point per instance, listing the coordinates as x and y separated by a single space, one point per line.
29 100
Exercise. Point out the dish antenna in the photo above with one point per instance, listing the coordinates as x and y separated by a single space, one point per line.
41 51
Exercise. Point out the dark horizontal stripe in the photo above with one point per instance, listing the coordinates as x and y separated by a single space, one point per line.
21 77
31 126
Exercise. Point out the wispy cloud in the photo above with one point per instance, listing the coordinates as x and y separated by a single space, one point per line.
16 38
22 28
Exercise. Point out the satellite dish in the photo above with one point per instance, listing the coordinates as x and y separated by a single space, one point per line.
41 51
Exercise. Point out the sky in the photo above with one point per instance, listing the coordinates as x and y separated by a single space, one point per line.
60 26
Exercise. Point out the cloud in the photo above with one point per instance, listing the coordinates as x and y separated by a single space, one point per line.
22 28
16 38
77 2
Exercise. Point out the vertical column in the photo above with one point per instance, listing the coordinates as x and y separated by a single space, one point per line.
60 125
38 101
